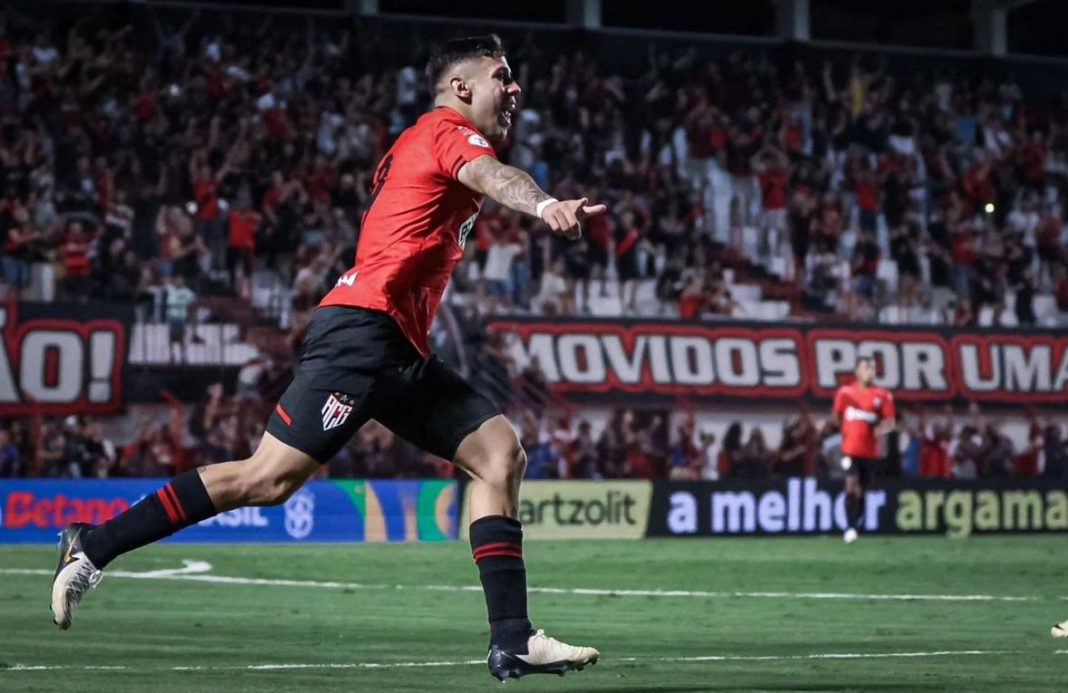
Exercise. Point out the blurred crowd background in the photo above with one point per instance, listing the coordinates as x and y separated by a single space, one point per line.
201 166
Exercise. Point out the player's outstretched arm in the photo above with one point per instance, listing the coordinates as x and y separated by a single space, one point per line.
515 189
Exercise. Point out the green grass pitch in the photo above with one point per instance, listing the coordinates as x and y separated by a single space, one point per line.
746 615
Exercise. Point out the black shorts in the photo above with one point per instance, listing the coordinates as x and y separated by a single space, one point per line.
863 468
356 365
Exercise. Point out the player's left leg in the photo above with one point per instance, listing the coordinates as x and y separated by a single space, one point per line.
854 495
494 458
857 481
437 410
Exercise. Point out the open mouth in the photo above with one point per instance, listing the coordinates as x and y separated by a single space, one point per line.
507 113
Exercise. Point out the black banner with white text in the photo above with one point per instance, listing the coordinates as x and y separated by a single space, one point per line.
62 358
815 506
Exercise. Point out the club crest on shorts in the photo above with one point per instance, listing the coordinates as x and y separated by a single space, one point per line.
336 410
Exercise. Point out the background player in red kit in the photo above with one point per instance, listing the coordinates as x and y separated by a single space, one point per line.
864 413
366 355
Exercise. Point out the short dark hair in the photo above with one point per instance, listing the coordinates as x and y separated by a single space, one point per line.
457 50
863 359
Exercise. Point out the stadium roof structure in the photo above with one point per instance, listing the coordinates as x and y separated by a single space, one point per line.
974 26
991 24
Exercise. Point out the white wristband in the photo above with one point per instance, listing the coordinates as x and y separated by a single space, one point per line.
540 209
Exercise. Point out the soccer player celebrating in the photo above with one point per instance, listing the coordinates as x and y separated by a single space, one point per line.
863 413
366 355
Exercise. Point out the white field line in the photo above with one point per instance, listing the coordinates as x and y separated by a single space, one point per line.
193 571
189 568
277 666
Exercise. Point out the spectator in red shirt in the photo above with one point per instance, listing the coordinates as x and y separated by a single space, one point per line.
244 223
695 297
699 123
210 224
772 168
866 186
625 246
978 186
280 206
321 181
77 268
963 315
1026 463
934 456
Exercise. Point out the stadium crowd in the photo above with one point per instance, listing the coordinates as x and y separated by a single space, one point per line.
176 159
631 444
213 146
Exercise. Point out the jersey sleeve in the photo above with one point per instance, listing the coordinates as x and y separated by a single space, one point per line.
456 145
839 402
888 406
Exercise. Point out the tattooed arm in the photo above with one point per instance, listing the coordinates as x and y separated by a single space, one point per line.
510 186
516 190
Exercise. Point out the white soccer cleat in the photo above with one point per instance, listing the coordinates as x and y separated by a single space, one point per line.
543 655
1060 630
850 536
74 575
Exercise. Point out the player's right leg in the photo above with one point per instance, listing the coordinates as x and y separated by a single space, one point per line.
312 421
269 477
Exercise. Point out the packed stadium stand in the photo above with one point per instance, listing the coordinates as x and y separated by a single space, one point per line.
201 167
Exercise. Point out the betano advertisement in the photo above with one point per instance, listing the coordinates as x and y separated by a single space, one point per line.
599 359
812 506
579 509
33 511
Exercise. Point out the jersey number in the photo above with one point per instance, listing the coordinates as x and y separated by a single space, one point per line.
379 182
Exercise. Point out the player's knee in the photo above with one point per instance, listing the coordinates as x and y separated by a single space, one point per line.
504 465
278 491
522 462
269 487
518 461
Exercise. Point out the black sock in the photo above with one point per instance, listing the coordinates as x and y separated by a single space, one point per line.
854 509
179 504
497 546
